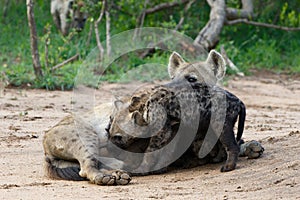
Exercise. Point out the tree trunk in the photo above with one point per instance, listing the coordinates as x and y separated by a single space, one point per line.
108 45
33 41
209 36
220 15
5 8
246 12
99 45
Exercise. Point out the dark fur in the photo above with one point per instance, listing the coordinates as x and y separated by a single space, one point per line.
235 109
168 96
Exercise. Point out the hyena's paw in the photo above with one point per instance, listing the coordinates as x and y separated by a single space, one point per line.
114 177
228 167
251 149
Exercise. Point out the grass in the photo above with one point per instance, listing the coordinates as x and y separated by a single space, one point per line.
248 47
264 49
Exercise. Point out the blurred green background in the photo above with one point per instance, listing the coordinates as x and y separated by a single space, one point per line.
249 47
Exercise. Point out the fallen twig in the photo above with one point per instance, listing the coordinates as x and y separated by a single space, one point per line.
75 57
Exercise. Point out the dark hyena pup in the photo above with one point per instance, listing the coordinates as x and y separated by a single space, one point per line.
198 92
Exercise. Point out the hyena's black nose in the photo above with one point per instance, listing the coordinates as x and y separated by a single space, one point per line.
80 26
117 139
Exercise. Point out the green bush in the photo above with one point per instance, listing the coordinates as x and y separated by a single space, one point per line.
248 46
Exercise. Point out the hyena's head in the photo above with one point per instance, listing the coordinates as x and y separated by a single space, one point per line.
209 71
78 14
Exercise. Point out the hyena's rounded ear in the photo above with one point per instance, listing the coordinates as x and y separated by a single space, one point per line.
175 61
134 103
139 119
119 104
217 64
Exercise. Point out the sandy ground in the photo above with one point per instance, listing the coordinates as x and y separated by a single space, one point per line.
273 117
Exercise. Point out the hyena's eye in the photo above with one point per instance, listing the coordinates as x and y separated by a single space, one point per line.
191 79
71 4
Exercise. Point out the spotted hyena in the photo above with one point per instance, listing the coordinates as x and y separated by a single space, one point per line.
68 14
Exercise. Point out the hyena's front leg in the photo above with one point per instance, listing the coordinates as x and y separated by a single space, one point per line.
95 171
95 167
228 140
64 23
56 20
55 14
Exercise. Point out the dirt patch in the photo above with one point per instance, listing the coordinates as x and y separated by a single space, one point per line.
273 117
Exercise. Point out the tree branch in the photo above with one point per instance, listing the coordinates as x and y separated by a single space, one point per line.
75 57
88 41
163 6
47 43
118 8
245 21
246 11
5 9
140 20
108 45
99 45
33 40
208 37
159 7
186 8
229 63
